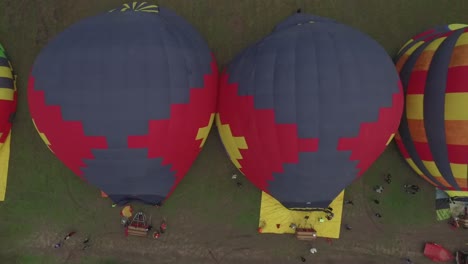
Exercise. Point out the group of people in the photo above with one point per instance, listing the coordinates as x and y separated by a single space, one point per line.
409 188
86 243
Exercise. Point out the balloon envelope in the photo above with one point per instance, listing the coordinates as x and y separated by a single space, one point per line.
306 110
8 96
433 136
126 100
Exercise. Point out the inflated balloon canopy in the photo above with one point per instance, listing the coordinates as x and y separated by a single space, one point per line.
306 110
8 101
8 96
126 99
433 136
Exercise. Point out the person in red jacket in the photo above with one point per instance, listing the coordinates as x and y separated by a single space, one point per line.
156 235
163 227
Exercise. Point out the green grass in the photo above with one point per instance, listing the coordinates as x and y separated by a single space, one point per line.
28 259
95 260
40 187
396 206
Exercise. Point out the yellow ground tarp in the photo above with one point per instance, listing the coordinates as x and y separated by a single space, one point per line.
275 218
4 160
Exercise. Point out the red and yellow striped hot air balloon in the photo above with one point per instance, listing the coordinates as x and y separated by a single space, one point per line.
7 96
433 136
8 100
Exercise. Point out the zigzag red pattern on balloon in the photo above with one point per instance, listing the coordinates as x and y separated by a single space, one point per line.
375 134
173 139
276 144
67 138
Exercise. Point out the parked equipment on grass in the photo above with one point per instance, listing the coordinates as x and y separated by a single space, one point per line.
461 257
306 234
138 226
437 253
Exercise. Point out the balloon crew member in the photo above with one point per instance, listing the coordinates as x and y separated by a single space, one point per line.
69 235
163 227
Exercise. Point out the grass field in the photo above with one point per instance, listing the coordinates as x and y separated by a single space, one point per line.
212 220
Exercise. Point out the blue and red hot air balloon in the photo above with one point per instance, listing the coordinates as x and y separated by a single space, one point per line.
126 99
306 110
433 136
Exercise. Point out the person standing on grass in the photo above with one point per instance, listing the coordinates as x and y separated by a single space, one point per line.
408 261
388 178
86 244
348 227
156 235
378 215
69 235
163 227
406 186
414 187
348 202
379 188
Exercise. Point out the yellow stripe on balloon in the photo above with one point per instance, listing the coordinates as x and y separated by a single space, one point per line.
414 47
406 44
457 26
43 136
418 171
5 72
141 4
7 94
148 7
434 171
232 143
459 171
434 45
462 40
432 168
455 106
204 131
415 106
390 139
457 193
413 165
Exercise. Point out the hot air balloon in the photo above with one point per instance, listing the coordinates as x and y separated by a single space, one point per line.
433 136
306 110
126 99
7 96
